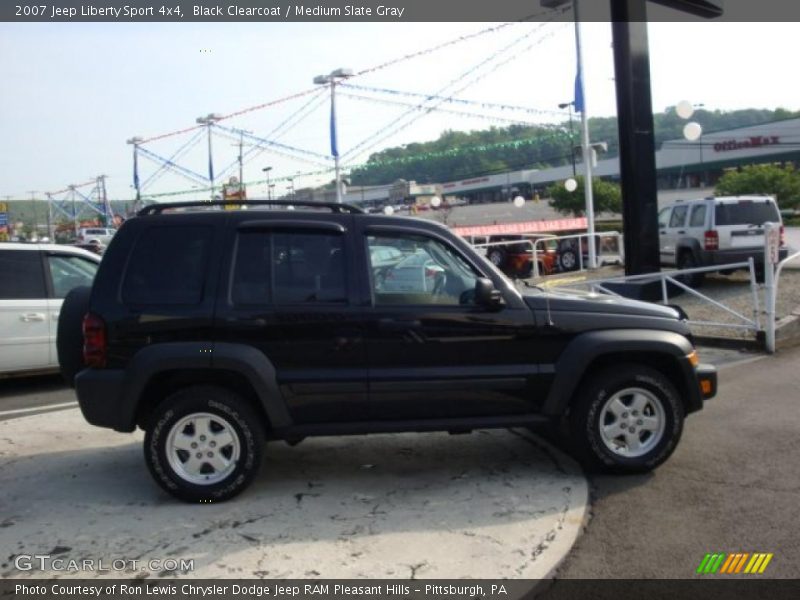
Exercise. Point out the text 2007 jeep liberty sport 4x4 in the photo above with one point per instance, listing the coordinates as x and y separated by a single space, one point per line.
215 330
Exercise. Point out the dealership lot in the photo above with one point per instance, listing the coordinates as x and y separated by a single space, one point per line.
491 504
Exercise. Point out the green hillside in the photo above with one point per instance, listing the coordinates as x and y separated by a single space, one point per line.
460 155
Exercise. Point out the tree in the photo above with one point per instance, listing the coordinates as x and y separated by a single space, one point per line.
783 183
607 197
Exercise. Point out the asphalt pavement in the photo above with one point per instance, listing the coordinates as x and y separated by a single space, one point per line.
733 485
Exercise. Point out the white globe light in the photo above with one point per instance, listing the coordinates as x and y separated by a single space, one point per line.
519 201
684 109
692 131
388 211
436 202
571 185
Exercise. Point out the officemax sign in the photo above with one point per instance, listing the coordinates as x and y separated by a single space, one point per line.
755 141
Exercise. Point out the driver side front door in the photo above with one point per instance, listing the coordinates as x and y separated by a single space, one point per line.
432 352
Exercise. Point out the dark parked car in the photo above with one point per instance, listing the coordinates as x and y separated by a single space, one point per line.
214 331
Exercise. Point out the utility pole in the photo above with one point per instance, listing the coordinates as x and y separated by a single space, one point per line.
241 145
35 215
50 229
74 212
269 186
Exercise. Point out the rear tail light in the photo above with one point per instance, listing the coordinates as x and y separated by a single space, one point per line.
94 341
783 237
711 240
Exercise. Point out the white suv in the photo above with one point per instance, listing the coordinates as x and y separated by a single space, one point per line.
87 235
34 278
716 231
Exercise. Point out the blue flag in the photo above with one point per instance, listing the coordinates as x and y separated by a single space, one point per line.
334 147
578 104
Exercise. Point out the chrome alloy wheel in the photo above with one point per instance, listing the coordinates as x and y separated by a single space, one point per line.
632 422
203 448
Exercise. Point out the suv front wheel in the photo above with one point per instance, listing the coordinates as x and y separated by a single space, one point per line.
204 444
626 420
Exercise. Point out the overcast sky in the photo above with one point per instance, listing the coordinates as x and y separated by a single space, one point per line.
73 93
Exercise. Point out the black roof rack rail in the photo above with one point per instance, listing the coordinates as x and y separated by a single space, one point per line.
155 209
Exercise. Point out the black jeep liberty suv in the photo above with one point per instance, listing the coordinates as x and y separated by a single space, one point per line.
216 330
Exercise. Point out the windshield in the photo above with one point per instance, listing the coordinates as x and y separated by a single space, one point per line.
746 212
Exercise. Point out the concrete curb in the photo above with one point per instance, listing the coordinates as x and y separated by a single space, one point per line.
494 504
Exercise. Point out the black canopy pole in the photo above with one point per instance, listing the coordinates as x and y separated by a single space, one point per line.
637 160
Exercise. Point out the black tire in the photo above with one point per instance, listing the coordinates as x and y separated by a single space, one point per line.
69 335
687 260
497 256
568 260
226 410
600 391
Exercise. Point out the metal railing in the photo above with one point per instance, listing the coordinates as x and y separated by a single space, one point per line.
667 278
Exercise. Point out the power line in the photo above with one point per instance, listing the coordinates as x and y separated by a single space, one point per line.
450 99
399 126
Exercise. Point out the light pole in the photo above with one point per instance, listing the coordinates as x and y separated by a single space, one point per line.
208 121
332 79
569 105
269 186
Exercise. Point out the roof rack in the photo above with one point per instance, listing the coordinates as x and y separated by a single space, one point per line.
156 209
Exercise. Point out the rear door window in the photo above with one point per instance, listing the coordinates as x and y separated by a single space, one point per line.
68 272
168 266
745 212
698 217
289 268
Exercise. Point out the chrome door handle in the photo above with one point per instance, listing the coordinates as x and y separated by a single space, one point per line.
28 317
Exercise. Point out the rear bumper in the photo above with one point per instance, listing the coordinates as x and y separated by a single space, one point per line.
102 398
726 257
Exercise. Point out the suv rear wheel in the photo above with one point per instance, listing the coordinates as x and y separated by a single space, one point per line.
686 260
205 444
626 420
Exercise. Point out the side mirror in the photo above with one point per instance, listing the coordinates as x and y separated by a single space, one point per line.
487 295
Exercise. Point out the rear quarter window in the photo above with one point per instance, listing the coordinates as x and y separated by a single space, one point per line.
168 266
746 212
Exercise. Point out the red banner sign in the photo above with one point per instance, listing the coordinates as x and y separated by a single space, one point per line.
523 227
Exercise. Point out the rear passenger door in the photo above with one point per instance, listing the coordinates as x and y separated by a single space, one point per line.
290 294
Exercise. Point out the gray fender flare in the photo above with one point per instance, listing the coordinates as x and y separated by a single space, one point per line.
585 348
